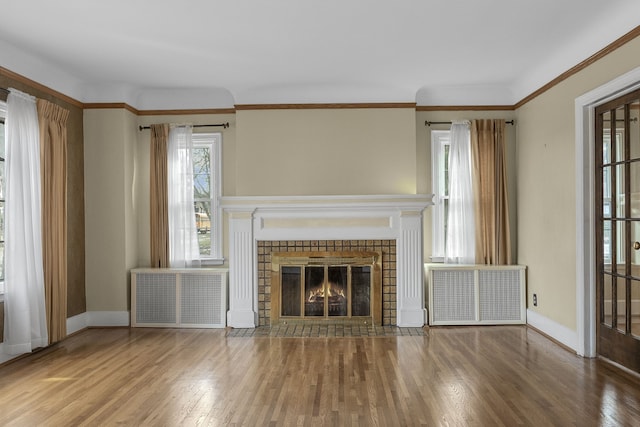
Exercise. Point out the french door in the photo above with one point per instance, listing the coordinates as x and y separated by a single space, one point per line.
618 230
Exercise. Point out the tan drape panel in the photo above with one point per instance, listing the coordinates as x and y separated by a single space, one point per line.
159 221
489 171
52 121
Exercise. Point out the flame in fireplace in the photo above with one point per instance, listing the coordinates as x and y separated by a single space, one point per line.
331 289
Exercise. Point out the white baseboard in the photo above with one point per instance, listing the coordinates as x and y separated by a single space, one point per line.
414 318
555 330
107 318
97 319
76 323
5 357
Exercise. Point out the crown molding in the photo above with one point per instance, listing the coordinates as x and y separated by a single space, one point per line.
187 112
107 105
582 65
38 86
465 107
328 106
631 35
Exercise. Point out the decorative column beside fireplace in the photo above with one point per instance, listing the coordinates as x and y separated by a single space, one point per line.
242 295
309 218
410 270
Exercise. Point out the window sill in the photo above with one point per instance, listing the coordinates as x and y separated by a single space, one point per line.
209 262
437 259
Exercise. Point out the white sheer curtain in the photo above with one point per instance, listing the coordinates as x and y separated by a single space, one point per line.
25 322
460 246
183 235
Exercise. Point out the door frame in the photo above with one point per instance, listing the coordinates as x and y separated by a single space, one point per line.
585 204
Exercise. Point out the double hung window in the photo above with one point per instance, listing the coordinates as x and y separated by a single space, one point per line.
207 163
440 144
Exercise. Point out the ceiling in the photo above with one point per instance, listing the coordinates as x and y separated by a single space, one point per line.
160 54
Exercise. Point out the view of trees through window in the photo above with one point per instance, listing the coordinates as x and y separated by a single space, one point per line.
207 165
202 195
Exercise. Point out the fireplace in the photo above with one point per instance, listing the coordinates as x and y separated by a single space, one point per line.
318 253
328 286
259 226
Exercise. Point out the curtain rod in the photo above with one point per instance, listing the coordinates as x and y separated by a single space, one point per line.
223 125
428 123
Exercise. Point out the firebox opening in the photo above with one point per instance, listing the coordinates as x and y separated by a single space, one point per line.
327 286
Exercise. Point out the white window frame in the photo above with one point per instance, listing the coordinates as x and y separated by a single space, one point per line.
3 115
214 141
439 140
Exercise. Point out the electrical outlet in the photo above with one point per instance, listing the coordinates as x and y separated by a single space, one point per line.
535 300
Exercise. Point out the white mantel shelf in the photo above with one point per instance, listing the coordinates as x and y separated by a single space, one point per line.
362 217
396 201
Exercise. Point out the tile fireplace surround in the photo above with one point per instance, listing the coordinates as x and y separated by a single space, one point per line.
382 283
308 220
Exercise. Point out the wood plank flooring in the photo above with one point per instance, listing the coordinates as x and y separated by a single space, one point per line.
485 376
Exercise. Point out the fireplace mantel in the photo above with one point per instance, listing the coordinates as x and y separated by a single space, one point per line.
397 217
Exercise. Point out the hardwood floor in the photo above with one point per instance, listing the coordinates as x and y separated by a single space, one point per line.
497 375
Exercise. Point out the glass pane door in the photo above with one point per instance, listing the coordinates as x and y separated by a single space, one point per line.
618 230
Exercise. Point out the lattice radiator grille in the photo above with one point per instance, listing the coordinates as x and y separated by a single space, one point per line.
200 294
453 295
467 295
499 294
179 298
156 296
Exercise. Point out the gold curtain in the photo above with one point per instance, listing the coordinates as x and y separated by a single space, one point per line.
52 121
489 171
159 220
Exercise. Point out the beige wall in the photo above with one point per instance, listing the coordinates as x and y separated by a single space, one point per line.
109 154
342 151
326 152
117 199
546 185
364 151
130 219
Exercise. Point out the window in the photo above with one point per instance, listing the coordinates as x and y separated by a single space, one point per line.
610 196
440 143
3 115
206 193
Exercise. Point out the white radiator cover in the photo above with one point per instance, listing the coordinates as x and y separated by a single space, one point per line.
179 298
476 294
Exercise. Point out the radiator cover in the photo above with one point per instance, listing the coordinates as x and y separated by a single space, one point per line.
476 295
179 298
